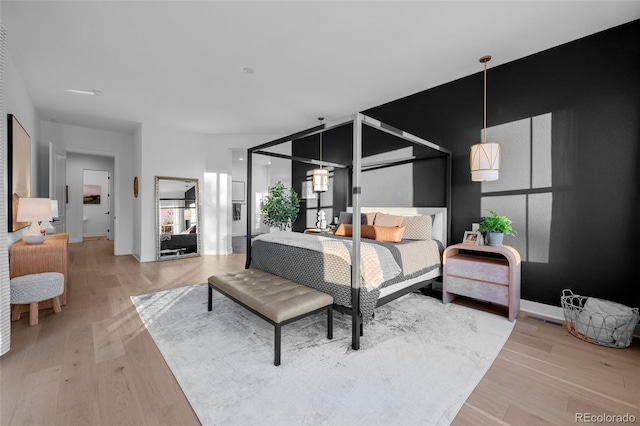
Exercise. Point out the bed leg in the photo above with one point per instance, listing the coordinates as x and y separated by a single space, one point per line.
276 358
330 322
355 331
210 299
426 290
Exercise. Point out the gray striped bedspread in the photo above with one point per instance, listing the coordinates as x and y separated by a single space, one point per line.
307 261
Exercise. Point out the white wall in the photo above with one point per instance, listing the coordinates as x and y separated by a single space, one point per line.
18 103
166 152
136 249
120 147
239 173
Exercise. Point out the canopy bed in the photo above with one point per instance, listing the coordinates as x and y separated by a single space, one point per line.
359 273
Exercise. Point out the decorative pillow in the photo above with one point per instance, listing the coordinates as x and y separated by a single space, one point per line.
348 218
345 217
344 230
417 227
370 218
392 234
383 219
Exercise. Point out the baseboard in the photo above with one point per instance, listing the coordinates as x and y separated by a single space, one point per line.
551 313
543 311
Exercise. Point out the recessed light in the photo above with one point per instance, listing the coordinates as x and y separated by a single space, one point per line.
241 159
85 92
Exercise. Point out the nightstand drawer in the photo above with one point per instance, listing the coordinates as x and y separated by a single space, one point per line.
479 268
495 293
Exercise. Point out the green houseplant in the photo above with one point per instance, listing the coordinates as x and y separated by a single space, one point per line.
496 227
280 208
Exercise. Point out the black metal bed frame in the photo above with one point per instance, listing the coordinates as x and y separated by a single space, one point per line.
358 120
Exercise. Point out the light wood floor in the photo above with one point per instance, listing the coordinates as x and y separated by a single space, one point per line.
95 364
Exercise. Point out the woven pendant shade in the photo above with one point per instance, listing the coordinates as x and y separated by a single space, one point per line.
484 161
320 179
484 158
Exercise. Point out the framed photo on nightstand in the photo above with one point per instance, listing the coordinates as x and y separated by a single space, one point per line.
471 237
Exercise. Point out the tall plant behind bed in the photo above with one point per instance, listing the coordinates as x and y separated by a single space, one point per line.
280 208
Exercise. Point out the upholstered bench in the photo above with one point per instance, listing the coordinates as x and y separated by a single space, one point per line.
34 288
274 299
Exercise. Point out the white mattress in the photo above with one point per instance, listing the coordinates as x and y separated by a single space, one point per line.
404 284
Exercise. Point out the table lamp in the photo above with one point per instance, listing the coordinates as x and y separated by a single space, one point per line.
34 210
48 225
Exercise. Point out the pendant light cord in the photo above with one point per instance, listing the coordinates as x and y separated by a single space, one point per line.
484 137
321 121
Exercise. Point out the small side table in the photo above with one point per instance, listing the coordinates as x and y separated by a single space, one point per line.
489 273
50 256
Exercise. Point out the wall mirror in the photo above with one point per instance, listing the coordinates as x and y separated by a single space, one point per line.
177 217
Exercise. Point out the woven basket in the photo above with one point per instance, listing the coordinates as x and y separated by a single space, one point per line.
614 331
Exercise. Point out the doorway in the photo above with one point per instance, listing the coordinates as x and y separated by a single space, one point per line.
96 214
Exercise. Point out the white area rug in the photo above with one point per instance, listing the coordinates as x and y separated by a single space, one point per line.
418 361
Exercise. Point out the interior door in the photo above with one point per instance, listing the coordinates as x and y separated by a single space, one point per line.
96 203
58 184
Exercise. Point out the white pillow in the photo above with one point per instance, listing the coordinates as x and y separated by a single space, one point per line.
437 228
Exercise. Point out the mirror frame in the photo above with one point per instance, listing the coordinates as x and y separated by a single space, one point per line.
198 216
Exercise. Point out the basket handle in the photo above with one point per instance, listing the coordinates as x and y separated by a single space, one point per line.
566 292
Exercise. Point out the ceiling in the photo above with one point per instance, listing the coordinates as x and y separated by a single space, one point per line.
181 64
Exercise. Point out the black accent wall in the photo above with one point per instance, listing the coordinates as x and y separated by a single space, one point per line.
592 88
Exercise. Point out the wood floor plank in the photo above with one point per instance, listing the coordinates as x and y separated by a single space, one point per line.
156 384
78 395
107 343
37 405
96 364
117 395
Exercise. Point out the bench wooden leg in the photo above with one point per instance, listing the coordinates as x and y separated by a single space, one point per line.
276 360
330 322
210 299
33 313
16 310
56 305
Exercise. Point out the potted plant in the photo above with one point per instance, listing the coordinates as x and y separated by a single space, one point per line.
280 208
496 227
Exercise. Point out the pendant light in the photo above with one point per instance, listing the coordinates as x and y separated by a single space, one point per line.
320 176
484 158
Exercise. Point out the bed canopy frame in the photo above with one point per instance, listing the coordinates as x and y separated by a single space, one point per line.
358 121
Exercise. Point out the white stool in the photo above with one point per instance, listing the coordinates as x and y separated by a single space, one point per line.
34 288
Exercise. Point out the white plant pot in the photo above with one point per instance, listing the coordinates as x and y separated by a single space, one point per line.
495 238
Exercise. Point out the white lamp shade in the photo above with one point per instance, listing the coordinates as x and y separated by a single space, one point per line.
320 179
485 161
34 210
54 208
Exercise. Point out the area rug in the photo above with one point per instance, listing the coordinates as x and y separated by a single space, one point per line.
418 361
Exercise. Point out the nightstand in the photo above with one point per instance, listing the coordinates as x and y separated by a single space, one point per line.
489 273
